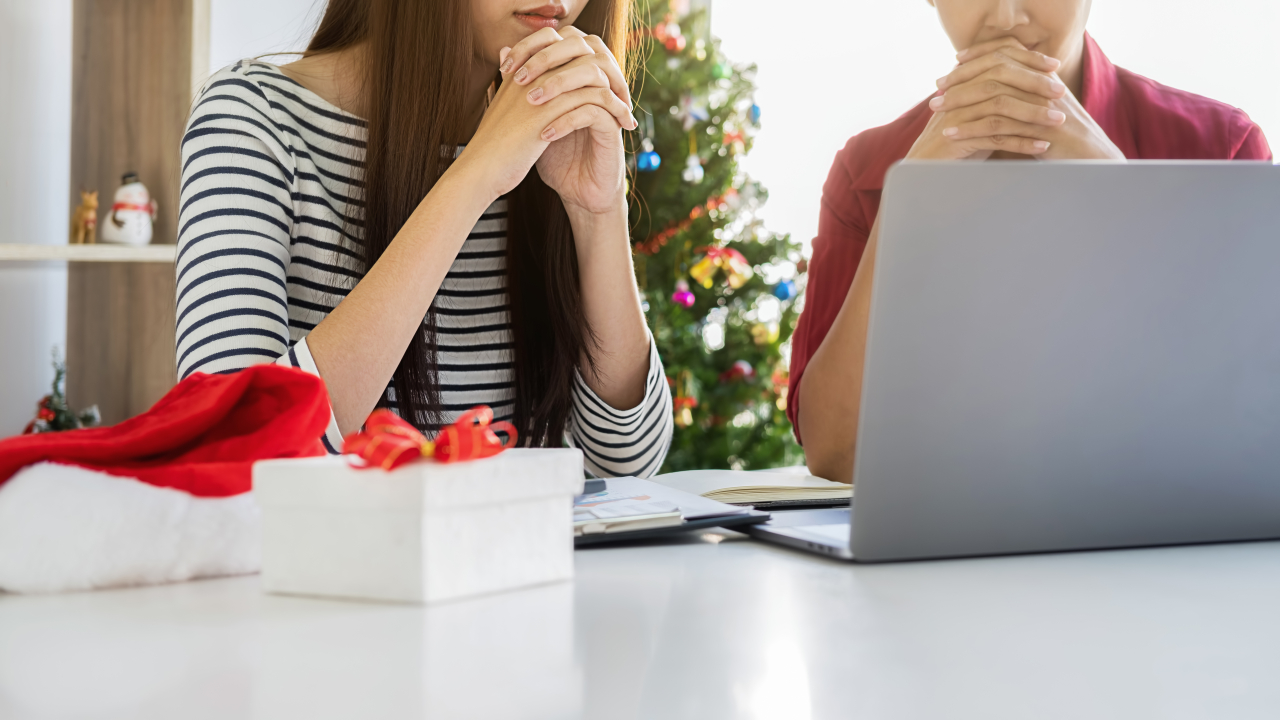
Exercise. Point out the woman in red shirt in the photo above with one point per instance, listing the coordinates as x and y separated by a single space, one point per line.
1031 83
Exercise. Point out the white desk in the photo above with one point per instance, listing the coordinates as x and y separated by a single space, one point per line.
690 629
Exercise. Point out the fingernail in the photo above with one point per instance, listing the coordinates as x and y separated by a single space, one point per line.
942 80
535 94
520 76
506 65
634 123
1057 86
1052 62
1057 115
962 54
936 103
950 132
549 133
502 55
1040 145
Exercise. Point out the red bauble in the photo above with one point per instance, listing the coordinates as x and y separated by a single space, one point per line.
740 370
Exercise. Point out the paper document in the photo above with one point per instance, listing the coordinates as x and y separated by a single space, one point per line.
731 486
691 506
606 512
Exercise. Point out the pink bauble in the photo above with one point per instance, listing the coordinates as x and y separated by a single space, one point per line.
682 296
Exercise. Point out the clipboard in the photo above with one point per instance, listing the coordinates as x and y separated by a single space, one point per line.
705 513
731 521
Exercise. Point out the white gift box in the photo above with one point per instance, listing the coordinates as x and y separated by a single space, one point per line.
424 532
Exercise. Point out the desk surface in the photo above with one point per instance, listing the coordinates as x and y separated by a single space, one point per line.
698 628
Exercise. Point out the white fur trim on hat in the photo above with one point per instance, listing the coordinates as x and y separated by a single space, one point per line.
67 528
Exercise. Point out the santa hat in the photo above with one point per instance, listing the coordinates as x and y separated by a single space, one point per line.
161 497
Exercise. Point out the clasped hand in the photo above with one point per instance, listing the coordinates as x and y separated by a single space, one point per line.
562 105
1005 98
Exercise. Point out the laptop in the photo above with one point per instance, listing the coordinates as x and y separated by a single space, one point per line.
1065 356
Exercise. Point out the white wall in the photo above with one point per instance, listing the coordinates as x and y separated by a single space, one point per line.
248 28
35 159
837 67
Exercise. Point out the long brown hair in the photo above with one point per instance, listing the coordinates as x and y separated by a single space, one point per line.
418 58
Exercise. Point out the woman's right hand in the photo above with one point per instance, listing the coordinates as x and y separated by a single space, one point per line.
1000 99
510 138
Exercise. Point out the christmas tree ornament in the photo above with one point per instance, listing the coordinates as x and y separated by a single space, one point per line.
737 269
734 140
739 370
52 413
693 172
785 290
684 415
764 333
647 160
682 295
685 400
84 220
669 34
703 272
780 380
657 241
802 266
755 114
692 111
132 214
721 71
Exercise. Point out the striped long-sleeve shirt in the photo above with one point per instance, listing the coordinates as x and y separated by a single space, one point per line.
270 180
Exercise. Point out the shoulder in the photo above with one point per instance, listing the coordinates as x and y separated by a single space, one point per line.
867 156
1176 124
236 96
245 81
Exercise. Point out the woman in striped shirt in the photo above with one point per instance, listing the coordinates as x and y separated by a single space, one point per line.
428 211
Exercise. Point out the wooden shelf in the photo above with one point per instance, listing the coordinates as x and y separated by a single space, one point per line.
90 253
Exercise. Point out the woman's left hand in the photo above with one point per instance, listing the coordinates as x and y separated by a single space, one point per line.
584 161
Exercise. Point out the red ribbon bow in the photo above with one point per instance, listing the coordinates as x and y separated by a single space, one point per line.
388 442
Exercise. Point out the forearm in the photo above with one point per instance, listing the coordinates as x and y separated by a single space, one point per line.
358 346
611 302
831 388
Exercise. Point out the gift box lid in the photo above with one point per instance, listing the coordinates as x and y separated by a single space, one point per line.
332 482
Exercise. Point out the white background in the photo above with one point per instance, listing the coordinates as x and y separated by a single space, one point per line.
842 66
828 69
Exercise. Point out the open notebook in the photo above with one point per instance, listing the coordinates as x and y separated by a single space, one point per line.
760 489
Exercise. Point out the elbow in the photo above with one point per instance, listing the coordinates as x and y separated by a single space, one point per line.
828 444
836 467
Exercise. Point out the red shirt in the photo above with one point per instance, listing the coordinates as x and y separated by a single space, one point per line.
1145 119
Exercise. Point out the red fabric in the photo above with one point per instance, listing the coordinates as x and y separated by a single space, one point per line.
202 437
1145 119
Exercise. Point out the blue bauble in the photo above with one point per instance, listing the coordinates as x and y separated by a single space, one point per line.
648 161
785 290
755 114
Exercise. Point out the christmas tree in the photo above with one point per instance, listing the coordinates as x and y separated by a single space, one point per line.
52 413
720 290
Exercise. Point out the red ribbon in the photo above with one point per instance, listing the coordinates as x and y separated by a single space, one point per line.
388 442
130 206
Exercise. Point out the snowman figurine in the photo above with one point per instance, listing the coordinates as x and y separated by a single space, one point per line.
132 214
